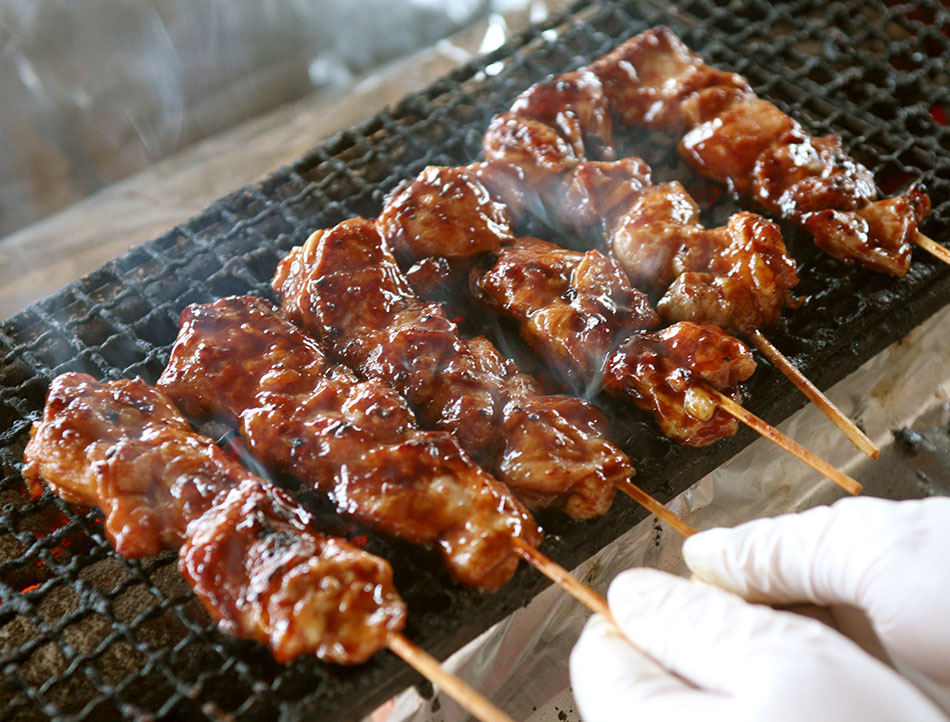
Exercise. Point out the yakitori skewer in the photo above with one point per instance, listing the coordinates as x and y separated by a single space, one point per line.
732 136
345 287
238 360
573 309
252 556
737 276
587 300
777 437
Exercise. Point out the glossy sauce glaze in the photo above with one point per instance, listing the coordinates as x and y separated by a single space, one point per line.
749 145
253 558
345 286
357 441
663 372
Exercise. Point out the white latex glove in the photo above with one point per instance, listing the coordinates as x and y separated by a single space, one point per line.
713 656
889 559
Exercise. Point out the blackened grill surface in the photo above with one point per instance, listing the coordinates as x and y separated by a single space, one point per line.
84 633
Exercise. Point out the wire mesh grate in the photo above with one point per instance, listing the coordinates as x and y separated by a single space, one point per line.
85 633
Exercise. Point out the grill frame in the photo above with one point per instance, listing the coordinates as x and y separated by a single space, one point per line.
121 320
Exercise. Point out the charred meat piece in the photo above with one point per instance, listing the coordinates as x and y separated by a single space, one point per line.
736 276
748 144
240 360
253 557
123 447
660 372
264 573
555 124
594 193
537 148
571 307
345 287
567 312
573 104
648 79
444 212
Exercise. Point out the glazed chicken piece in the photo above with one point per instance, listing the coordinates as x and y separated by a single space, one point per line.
252 556
737 276
345 287
571 306
595 193
572 316
647 80
662 373
239 360
748 144
551 127
444 212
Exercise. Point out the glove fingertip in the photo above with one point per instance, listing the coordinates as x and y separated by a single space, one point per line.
705 554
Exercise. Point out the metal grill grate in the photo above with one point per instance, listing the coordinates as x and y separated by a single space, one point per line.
84 633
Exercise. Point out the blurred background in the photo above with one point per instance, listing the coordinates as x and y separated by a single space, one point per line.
94 91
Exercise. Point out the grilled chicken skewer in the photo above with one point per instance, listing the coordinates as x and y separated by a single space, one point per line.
685 374
252 556
238 360
737 277
579 312
345 287
746 143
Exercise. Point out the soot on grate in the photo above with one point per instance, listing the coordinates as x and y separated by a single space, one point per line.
85 633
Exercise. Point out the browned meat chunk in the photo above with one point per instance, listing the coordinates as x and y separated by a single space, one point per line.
594 193
736 276
574 105
649 77
727 147
253 558
345 287
755 149
879 236
123 447
662 374
238 359
571 307
444 212
535 147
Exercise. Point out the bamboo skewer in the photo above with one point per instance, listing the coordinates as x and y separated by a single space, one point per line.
777 437
814 394
655 507
560 576
428 666
932 247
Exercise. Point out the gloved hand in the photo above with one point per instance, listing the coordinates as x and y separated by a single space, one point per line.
714 656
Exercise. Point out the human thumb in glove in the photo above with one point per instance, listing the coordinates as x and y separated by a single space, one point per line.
890 559
683 651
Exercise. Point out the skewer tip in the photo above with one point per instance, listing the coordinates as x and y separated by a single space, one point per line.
428 666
